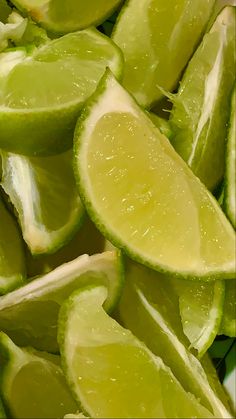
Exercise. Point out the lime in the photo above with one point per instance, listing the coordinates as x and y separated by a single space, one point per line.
11 32
44 194
228 325
5 11
41 96
32 387
33 34
157 38
142 195
161 123
2 411
29 315
230 174
111 372
149 308
12 259
201 108
62 17
201 309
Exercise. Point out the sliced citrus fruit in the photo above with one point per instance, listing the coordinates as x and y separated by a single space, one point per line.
161 123
149 308
12 258
29 315
142 195
230 174
11 31
228 325
32 387
111 372
157 38
44 194
201 108
201 308
62 17
40 97
5 11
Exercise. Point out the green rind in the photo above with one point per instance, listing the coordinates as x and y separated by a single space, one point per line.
228 324
94 215
230 172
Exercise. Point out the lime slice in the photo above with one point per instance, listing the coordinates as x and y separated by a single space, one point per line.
230 174
44 194
32 387
62 17
41 97
11 31
201 108
228 326
32 34
149 308
157 39
12 259
201 309
29 315
161 123
111 372
142 195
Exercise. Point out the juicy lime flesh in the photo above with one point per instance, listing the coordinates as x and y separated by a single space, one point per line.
111 371
200 114
66 70
228 326
157 40
141 186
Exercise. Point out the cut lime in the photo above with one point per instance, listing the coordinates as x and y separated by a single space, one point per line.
29 315
41 97
161 123
11 31
230 174
32 387
201 308
33 34
142 195
44 194
12 258
67 16
5 11
111 373
149 308
201 108
157 38
228 326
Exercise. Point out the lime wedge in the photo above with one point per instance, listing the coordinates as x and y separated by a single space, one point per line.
62 17
149 308
111 372
11 31
32 387
157 38
201 108
161 123
44 194
228 325
230 174
142 195
41 96
201 309
29 315
12 258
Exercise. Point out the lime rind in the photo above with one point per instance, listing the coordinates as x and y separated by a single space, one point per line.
228 324
26 181
29 315
96 107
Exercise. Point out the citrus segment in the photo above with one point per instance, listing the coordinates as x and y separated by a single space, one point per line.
136 188
111 372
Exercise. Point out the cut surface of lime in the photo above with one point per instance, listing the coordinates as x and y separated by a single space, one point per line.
157 39
201 108
12 258
44 194
11 31
41 96
228 325
230 174
29 315
136 188
201 308
62 17
149 307
32 387
111 372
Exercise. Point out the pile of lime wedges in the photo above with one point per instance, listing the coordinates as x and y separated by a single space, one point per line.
117 207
